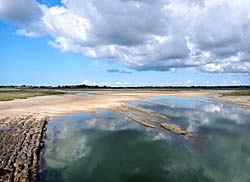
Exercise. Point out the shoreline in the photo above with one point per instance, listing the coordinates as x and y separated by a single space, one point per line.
59 105
45 108
241 101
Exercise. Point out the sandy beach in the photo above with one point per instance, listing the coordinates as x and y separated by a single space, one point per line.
58 105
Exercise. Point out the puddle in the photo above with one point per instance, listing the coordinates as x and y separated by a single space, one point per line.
5 128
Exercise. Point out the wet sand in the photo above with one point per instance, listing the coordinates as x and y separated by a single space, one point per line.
242 101
20 147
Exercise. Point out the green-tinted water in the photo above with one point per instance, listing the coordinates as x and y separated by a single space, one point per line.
110 147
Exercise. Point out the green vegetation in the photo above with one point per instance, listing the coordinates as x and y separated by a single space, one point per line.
11 94
95 87
239 93
23 92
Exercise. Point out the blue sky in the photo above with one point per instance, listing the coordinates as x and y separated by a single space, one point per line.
59 47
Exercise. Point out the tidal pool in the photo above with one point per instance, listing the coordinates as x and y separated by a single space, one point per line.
109 147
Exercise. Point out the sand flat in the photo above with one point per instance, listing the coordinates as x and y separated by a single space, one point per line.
242 101
58 105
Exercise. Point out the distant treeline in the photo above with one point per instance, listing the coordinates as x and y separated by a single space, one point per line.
83 86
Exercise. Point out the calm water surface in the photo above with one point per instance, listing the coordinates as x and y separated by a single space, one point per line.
110 147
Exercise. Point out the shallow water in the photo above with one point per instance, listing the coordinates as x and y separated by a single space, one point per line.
109 147
5 128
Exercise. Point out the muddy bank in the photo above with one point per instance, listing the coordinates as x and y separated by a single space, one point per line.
20 147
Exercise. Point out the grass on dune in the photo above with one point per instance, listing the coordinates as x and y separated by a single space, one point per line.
6 95
239 93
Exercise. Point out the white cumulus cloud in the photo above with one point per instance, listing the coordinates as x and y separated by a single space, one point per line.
210 35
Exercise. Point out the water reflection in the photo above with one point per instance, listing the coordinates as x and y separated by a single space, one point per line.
110 147
5 128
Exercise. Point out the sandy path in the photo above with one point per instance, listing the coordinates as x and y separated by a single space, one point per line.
58 105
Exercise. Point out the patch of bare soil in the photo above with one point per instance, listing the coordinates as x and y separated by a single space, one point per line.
20 147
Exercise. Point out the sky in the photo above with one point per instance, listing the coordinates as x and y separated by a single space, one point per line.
125 42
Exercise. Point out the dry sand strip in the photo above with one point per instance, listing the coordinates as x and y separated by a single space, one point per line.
140 121
155 103
127 107
135 116
175 129
149 118
20 147
143 116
